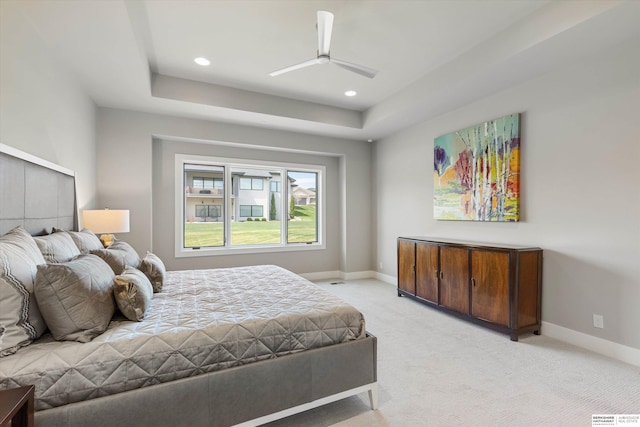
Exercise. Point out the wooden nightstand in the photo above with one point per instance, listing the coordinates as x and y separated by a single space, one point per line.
16 407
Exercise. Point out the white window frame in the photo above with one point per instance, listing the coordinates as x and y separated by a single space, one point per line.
229 164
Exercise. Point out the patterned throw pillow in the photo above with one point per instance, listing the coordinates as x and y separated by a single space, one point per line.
133 293
19 313
57 247
153 267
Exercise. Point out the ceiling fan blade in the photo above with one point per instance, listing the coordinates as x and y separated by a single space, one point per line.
360 69
325 27
308 63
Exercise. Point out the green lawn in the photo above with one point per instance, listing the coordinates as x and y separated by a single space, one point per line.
301 230
304 228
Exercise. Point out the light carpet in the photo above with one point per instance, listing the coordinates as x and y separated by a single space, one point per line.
437 370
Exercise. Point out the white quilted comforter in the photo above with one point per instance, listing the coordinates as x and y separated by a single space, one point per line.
202 321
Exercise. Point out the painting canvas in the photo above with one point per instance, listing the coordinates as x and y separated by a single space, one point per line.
477 172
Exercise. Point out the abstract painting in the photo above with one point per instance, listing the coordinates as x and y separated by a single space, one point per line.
476 172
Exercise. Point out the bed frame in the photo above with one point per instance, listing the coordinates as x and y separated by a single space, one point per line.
40 195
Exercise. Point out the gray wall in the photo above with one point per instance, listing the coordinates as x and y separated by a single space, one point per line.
43 110
128 164
580 200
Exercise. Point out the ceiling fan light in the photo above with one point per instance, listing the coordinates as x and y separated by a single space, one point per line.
351 93
202 61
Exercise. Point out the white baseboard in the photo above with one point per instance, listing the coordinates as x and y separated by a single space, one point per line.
324 275
392 280
601 346
369 274
358 275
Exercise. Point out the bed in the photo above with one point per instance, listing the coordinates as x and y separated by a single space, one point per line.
219 347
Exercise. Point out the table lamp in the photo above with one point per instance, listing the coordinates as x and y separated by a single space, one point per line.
106 222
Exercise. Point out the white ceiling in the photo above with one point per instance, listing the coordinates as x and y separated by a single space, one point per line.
432 56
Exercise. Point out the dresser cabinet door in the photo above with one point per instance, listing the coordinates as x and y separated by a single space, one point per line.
406 266
490 286
427 271
454 278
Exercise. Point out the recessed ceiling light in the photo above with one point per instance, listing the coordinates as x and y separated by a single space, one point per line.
351 93
202 61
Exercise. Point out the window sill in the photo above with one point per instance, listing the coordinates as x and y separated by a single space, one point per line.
295 247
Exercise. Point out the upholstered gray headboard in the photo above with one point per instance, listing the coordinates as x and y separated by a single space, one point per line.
35 193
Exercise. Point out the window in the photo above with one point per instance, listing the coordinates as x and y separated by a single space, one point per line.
198 182
303 224
250 211
215 211
251 183
204 182
208 211
241 213
202 212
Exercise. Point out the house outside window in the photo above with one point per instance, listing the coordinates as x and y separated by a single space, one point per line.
241 206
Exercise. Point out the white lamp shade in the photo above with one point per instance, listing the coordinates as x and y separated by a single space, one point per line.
106 220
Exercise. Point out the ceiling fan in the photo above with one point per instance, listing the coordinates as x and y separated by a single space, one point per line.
325 25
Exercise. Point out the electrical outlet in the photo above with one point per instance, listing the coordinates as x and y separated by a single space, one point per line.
598 321
380 265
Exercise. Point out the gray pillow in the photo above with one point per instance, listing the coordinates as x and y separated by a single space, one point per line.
19 313
118 256
85 240
153 267
57 247
76 298
133 293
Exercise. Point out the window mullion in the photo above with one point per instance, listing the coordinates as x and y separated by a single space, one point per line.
228 212
284 188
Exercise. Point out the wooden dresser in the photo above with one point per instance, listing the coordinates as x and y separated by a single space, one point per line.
497 286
